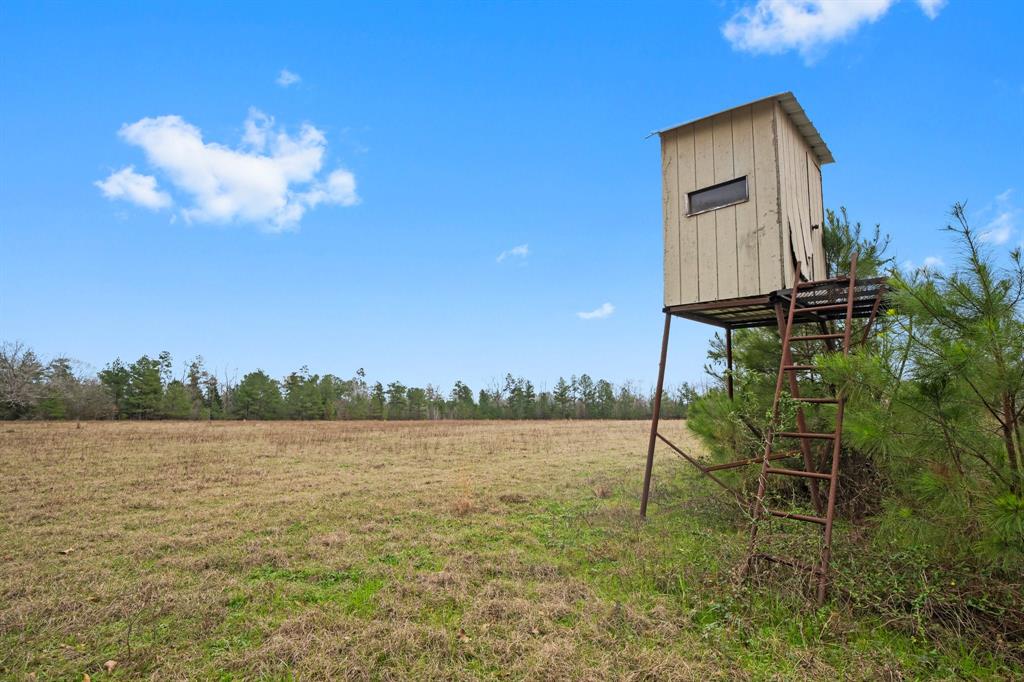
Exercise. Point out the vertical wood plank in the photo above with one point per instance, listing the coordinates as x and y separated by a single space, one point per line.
747 227
725 218
790 171
792 207
789 249
688 251
803 200
670 214
767 197
817 213
707 239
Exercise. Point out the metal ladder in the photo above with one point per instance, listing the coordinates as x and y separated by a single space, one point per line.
787 376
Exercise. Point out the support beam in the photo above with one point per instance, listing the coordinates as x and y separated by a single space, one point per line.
728 362
656 417
703 469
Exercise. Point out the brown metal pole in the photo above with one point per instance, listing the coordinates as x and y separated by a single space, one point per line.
703 469
655 417
874 313
728 361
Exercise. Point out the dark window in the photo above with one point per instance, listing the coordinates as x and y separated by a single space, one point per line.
718 196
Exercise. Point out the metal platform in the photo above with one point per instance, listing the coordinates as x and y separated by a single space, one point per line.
760 311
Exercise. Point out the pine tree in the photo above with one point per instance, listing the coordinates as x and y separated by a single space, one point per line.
563 397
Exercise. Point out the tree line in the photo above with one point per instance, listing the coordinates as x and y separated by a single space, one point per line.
148 388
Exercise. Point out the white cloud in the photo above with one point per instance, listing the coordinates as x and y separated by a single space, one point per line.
130 186
257 126
286 78
930 264
1003 225
605 310
521 251
998 231
272 180
931 8
807 26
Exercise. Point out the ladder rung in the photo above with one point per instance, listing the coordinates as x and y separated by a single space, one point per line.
798 517
746 462
818 401
798 368
816 337
817 308
797 472
800 434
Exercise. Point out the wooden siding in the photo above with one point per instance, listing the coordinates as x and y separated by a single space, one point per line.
707 234
791 251
767 200
735 250
688 250
725 218
817 214
670 213
801 205
747 262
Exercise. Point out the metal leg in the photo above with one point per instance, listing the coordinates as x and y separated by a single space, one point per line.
728 363
837 444
656 417
830 512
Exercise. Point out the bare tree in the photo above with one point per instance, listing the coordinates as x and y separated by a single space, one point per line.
21 376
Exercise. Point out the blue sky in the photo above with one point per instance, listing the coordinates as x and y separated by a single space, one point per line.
272 186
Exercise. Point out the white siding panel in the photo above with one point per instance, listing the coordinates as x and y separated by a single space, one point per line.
817 215
795 203
747 226
767 198
803 201
725 218
707 238
670 214
687 182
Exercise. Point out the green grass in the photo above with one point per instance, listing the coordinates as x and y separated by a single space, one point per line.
418 569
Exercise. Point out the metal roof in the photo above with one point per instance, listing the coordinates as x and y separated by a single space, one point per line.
796 112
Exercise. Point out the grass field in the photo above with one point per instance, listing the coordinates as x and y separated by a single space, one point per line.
397 551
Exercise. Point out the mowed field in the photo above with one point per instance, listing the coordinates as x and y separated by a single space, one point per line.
420 550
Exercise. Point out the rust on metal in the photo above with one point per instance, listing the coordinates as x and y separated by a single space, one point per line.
703 469
656 417
728 362
746 462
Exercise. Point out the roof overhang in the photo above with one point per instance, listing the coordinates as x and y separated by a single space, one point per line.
795 112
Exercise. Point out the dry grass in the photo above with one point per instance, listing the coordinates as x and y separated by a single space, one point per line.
385 551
